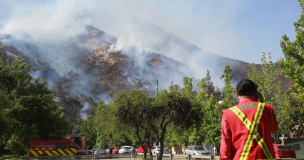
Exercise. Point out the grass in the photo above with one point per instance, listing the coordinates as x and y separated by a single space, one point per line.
6 156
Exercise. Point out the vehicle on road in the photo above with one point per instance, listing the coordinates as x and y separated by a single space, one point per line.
141 150
90 152
109 149
156 149
54 147
197 150
125 149
115 150
284 151
99 151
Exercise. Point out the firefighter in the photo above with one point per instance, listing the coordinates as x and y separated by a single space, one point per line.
247 127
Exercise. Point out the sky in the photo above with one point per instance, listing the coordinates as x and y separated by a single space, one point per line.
235 29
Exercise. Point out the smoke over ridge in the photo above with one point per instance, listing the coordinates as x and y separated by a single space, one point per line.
98 53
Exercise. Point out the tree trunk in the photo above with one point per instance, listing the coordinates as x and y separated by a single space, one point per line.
149 149
162 145
145 153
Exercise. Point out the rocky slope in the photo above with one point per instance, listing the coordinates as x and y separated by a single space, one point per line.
88 67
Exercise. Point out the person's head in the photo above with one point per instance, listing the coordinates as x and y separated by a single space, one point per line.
246 88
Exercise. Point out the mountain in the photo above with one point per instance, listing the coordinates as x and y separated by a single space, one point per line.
95 65
84 69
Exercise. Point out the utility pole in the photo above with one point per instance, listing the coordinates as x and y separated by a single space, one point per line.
157 89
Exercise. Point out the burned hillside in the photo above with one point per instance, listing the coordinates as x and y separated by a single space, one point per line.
88 67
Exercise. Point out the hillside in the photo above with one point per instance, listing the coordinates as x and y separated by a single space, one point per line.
89 67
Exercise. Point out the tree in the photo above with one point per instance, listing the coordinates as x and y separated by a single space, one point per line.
88 130
211 126
103 125
131 109
269 86
293 66
28 107
171 108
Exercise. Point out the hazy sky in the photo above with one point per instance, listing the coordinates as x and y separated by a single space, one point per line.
238 29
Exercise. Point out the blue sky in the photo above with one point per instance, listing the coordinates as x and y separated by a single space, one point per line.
236 29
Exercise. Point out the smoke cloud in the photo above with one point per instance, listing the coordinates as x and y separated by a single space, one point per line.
49 26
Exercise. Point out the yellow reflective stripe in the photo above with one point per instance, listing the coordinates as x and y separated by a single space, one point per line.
240 114
48 153
61 152
263 146
247 123
43 148
252 131
67 150
56 153
74 150
35 154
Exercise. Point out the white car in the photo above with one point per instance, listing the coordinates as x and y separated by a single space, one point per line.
156 149
108 150
99 151
197 150
125 149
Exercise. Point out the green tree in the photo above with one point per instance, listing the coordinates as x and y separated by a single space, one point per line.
28 107
211 126
88 131
293 66
103 125
131 109
172 108
271 89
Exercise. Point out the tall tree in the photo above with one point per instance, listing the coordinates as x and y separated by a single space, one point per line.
88 130
211 126
29 107
131 111
171 108
293 67
271 89
209 83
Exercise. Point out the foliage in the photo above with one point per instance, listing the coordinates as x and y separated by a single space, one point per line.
211 126
131 109
88 131
269 86
27 107
103 124
293 66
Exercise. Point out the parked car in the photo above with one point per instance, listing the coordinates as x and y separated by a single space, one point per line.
156 149
99 151
141 150
284 151
125 149
109 149
197 150
89 152
115 150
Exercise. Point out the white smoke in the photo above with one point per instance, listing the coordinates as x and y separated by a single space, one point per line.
85 107
48 24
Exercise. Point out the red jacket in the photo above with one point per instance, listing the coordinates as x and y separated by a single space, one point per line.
235 134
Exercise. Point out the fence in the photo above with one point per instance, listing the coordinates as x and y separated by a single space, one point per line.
124 156
189 157
78 157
